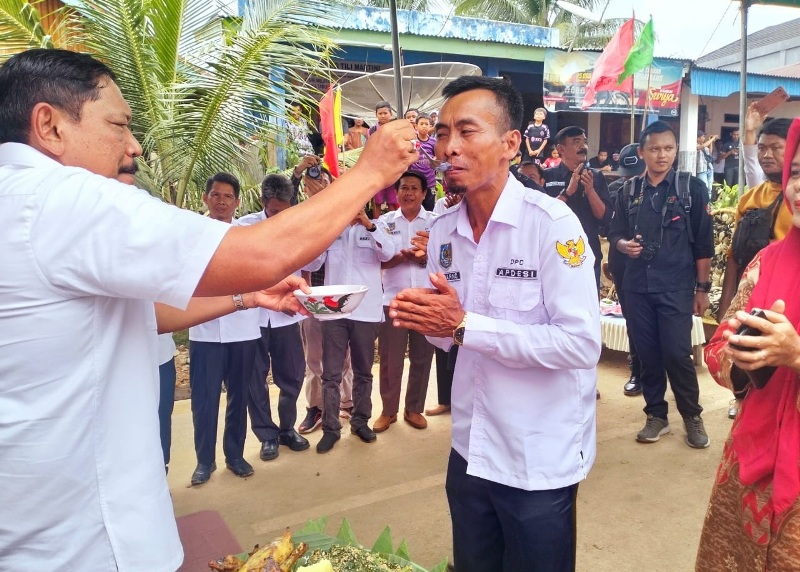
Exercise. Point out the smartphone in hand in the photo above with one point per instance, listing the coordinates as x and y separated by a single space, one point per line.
760 376
770 101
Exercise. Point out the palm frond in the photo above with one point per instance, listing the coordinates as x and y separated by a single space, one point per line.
21 27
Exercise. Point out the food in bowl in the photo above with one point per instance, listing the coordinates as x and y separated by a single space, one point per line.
332 302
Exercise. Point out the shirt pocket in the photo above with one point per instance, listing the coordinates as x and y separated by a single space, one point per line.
365 252
515 295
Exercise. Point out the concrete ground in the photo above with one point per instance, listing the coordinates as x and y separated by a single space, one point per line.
641 508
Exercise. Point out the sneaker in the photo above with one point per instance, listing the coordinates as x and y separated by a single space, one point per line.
696 436
346 412
733 409
653 429
312 421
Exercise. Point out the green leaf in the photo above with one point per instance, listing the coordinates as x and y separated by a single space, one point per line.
384 544
346 535
317 525
402 550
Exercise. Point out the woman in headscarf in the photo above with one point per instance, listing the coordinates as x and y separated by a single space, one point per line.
753 518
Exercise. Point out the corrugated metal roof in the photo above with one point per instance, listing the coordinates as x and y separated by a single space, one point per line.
722 83
768 36
443 26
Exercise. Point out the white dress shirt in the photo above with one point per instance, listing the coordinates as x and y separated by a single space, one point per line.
405 274
81 467
355 258
523 403
166 348
267 318
440 208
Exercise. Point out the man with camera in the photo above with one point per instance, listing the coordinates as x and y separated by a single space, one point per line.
662 225
582 188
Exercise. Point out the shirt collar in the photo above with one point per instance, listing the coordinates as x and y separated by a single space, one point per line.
21 155
506 211
669 179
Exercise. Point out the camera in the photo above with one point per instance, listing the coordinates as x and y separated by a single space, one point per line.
649 248
314 172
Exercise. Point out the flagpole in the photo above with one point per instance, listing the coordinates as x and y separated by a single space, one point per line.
647 97
633 105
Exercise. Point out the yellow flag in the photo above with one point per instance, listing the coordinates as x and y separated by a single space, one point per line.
337 116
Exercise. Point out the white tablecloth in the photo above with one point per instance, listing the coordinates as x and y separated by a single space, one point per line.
614 333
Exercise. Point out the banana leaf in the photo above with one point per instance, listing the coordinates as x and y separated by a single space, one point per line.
313 534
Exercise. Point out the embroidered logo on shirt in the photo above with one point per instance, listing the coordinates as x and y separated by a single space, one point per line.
446 255
572 252
521 273
390 226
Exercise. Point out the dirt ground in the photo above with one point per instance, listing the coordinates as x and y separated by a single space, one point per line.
641 508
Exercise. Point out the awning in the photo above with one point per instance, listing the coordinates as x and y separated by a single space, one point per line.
789 3
722 83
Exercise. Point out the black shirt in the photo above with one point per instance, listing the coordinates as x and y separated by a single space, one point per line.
557 179
595 163
673 265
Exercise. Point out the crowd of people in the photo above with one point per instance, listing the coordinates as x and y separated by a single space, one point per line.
498 279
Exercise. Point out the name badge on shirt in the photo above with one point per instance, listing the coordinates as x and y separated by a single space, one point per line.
453 276
363 238
518 273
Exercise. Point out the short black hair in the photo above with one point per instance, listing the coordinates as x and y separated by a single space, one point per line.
416 174
423 116
277 186
506 95
654 128
223 178
534 164
382 105
570 131
778 127
61 78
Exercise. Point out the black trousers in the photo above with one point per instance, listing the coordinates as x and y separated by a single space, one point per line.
497 528
618 274
661 326
337 336
445 366
209 364
282 349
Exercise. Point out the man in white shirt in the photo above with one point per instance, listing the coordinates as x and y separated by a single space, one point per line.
406 269
514 287
279 346
221 350
85 257
354 258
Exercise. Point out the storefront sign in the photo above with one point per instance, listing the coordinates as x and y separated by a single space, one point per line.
566 75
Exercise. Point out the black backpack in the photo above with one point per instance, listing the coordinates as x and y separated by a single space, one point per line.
754 231
681 191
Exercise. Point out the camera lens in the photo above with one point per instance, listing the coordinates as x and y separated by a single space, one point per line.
314 172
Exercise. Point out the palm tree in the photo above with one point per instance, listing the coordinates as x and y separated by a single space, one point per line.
201 87
547 14
420 5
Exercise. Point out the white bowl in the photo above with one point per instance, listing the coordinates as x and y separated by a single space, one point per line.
332 302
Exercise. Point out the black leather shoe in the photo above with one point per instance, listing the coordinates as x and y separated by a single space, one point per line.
240 468
327 442
293 440
269 450
364 433
202 473
633 386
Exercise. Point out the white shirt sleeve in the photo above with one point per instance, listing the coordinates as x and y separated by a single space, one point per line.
570 338
752 169
382 241
96 236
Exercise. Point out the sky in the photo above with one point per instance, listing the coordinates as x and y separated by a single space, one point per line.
691 28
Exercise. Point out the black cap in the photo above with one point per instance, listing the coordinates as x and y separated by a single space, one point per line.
571 131
630 164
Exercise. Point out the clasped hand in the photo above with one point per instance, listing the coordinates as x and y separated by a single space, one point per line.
778 345
432 312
